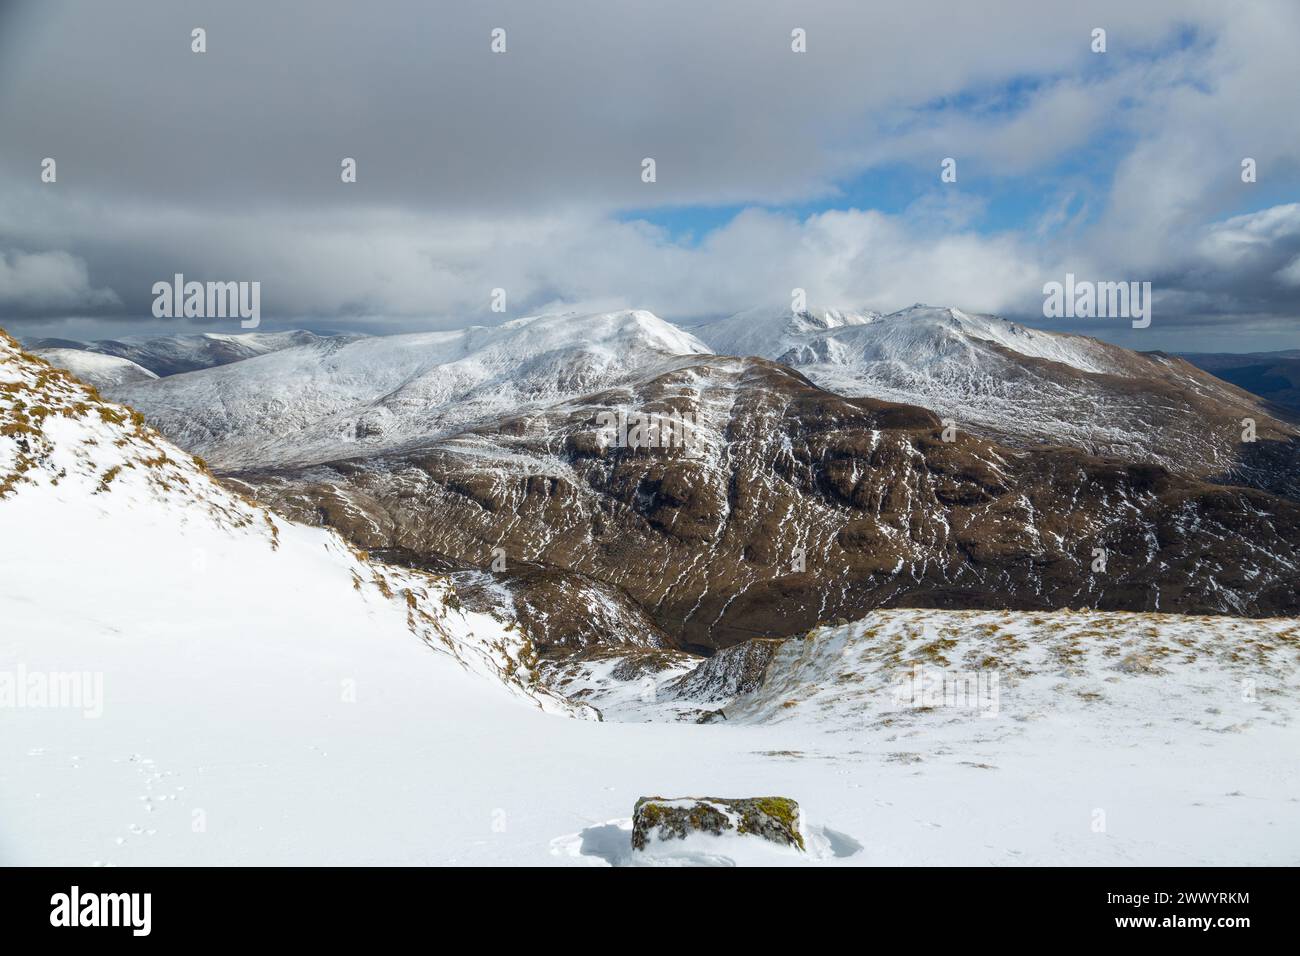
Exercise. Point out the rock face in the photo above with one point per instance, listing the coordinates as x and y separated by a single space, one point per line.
727 674
791 506
776 819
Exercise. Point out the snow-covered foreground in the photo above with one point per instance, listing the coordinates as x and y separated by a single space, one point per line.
989 737
224 710
256 693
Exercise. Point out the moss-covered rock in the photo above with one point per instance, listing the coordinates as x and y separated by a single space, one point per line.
771 818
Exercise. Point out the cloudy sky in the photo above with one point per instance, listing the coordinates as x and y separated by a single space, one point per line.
774 169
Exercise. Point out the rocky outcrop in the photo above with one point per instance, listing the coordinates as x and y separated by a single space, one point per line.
727 674
776 819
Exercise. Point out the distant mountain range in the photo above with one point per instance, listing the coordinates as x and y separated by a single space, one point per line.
310 398
852 460
1274 376
173 354
337 397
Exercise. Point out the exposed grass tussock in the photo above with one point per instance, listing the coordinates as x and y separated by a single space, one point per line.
935 650
275 531
108 476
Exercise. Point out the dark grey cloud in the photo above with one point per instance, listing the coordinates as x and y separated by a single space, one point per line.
586 90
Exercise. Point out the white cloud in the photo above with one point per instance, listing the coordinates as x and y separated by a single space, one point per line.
429 269
1290 273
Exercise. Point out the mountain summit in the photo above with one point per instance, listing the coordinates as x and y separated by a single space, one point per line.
334 398
1029 387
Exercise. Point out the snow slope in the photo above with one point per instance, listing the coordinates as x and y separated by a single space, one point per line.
331 400
921 339
918 338
102 371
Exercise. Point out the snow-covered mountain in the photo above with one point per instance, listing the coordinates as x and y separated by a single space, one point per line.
172 354
442 448
926 341
107 372
771 331
332 399
339 397
1026 385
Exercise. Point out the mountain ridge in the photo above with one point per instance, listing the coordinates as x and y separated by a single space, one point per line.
326 399
336 397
